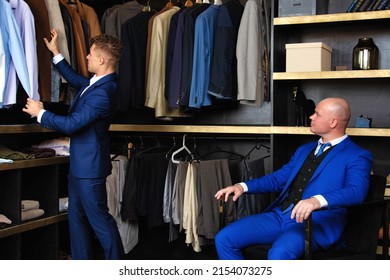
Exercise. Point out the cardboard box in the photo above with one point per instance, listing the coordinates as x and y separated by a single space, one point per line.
289 8
308 57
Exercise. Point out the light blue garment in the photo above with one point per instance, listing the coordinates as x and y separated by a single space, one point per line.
13 49
2 65
26 24
203 49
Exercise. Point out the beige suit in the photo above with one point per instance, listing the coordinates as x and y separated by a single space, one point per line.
155 83
56 21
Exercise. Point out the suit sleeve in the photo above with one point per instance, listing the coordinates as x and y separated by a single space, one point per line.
94 107
73 78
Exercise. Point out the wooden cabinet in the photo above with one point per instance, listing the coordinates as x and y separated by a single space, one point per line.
367 91
43 180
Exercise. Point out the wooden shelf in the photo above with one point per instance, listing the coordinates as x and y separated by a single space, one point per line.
34 163
234 130
210 129
323 75
33 224
328 18
197 129
371 132
22 128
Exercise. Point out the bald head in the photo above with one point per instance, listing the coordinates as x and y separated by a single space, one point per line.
331 118
338 108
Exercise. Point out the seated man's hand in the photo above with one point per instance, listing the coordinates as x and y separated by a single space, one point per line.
235 190
303 209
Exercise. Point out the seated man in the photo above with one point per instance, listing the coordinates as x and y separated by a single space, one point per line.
332 172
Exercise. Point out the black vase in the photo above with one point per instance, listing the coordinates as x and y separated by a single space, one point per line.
365 55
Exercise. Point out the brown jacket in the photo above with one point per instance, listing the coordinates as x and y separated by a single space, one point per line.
89 15
79 35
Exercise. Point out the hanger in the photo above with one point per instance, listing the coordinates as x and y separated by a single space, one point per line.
169 153
256 147
169 4
126 150
183 147
147 7
218 149
188 3
155 148
195 153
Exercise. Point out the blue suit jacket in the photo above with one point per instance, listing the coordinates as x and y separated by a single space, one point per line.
342 179
87 123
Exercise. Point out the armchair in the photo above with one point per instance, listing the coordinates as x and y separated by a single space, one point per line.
360 234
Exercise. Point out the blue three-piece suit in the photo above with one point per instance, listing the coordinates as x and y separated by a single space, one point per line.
342 178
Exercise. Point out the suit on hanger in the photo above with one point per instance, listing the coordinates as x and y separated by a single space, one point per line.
87 124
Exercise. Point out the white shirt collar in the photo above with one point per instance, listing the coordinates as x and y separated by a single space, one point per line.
334 141
94 79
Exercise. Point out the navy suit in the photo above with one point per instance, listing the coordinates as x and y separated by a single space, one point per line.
87 125
342 178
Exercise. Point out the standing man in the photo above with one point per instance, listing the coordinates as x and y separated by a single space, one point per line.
331 173
87 123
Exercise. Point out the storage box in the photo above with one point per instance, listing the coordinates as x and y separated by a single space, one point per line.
289 8
308 57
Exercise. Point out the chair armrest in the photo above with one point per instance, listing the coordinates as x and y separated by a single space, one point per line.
308 254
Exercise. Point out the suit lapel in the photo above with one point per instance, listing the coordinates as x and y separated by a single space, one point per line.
98 83
76 99
332 153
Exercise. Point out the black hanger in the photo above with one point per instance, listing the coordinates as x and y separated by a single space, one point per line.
169 153
235 156
157 147
195 153
257 147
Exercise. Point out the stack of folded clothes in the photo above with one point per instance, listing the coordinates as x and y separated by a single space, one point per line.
31 210
4 221
60 145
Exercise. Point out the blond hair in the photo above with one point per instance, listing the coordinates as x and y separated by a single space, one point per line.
110 45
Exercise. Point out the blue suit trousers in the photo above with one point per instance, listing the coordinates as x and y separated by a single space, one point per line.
275 228
88 207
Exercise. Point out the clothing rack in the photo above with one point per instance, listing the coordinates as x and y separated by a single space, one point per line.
197 144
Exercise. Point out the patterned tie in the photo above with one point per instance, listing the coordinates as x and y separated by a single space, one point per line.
322 148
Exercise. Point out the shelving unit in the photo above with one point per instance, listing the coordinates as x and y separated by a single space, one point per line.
43 180
368 91
328 18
